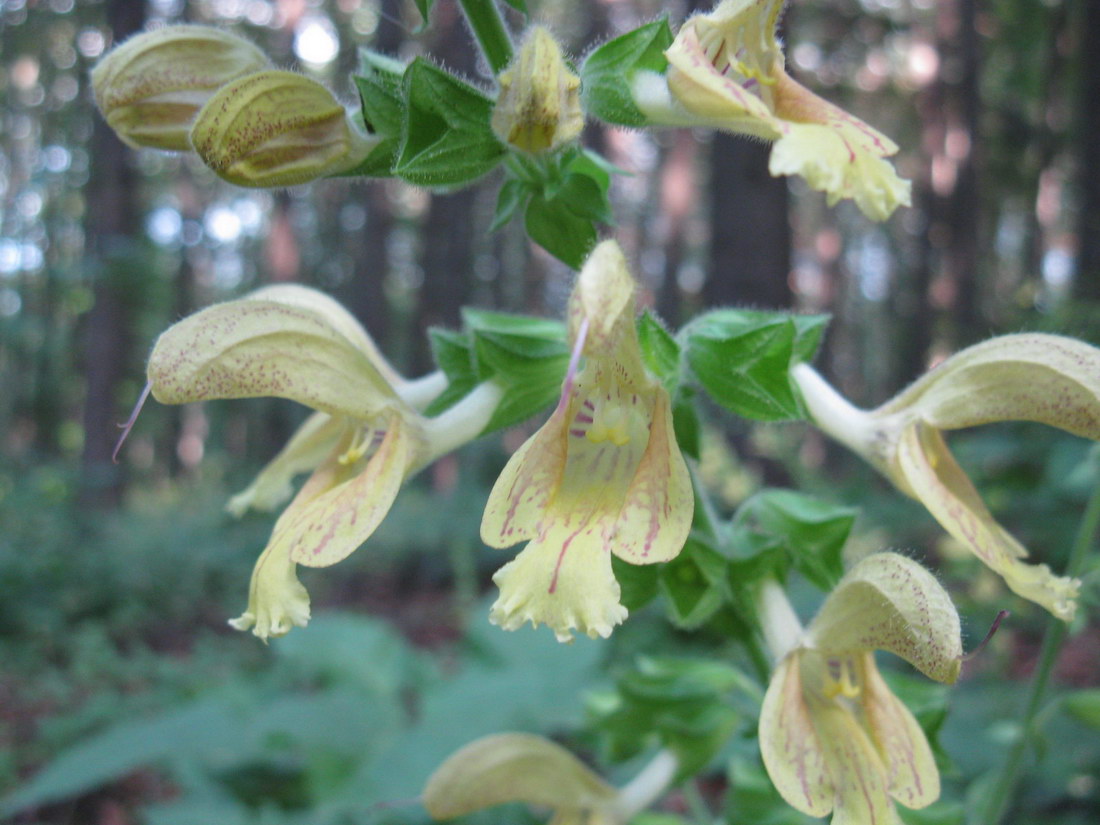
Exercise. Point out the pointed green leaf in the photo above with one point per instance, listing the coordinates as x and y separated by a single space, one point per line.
607 74
559 230
743 358
513 195
446 137
810 531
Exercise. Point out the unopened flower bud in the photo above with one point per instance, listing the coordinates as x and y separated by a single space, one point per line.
151 87
276 128
539 105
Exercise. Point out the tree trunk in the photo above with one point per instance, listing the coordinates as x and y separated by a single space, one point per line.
112 222
1087 285
750 236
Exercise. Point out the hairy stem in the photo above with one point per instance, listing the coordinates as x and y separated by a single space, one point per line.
490 32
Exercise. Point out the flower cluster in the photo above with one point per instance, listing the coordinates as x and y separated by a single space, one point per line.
604 477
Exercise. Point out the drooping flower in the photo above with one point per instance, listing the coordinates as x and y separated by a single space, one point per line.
296 343
603 476
832 735
520 767
1028 377
727 71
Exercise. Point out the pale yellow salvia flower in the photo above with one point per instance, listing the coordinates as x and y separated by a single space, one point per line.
520 767
834 738
151 87
1028 377
275 128
538 108
727 71
603 476
293 342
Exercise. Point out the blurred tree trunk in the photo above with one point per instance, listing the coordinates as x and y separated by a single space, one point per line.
750 232
112 221
447 234
1088 268
945 276
964 203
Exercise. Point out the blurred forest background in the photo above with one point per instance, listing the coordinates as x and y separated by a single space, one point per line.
116 579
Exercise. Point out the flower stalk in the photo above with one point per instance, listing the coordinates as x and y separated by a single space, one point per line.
489 30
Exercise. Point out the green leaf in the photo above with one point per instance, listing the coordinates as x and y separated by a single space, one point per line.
445 138
527 355
380 90
809 531
608 73
659 350
425 8
559 230
451 351
382 110
694 584
513 195
680 701
807 336
1084 706
637 582
584 196
685 422
743 359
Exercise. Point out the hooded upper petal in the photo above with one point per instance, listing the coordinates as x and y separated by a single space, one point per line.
257 347
935 478
515 767
889 602
1050 379
336 315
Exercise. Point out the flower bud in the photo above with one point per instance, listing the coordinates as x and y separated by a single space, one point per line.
539 104
151 87
276 128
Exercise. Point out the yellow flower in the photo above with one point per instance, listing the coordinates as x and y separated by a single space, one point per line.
726 70
292 342
1028 377
151 87
832 735
539 106
604 474
520 767
276 128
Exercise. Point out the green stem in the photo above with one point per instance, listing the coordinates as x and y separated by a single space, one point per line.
709 522
490 32
1000 796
